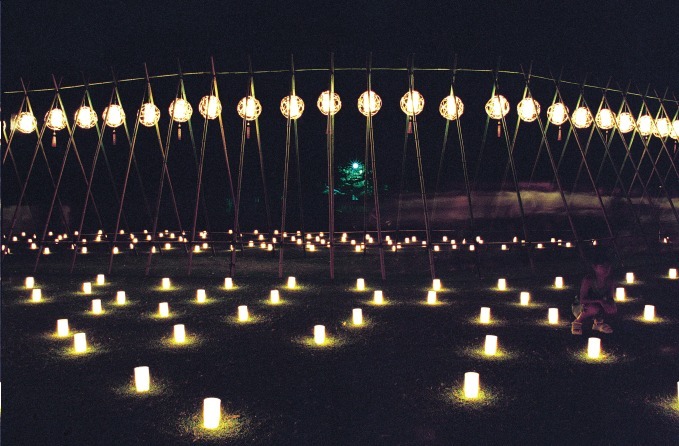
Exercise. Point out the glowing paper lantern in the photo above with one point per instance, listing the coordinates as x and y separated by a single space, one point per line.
149 115
645 125
497 107
620 294
165 283
471 385
62 328
180 110
582 118
357 316
101 279
55 119
292 107
451 108
490 346
412 103
212 413
557 113
243 314
431 297
142 379
369 103
113 116
629 277
121 298
436 285
319 334
228 283
593 347
649 312
378 297
96 306
625 122
249 108
484 317
275 297
36 295
29 282
661 128
558 282
528 109
524 298
501 284
360 284
25 122
672 273
605 119
200 296
553 315
87 287
674 129
163 309
292 282
85 117
80 342
210 107
329 105
179 332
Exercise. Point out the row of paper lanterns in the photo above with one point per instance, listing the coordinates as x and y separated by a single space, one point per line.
369 103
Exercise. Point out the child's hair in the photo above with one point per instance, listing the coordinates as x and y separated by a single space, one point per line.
599 257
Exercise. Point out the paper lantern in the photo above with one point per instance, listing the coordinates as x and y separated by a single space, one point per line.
502 284
36 295
275 297
593 347
179 333
674 129
661 128
672 274
29 282
96 306
55 119
605 119
557 113
180 110
121 298
528 109
101 279
625 122
165 283
471 385
25 122
243 315
163 309
142 379
80 342
62 328
87 287
378 297
412 103
200 296
497 107
113 115
581 118
292 282
292 107
319 334
83 250
629 278
212 413
436 285
360 284
369 103
524 298
484 317
645 125
490 346
553 315
329 105
620 294
249 108
649 312
149 115
210 107
85 117
431 297
357 316
558 282
451 108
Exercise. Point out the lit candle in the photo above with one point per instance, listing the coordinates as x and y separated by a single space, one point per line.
378 297
501 284
142 379
46 251
431 297
275 297
503 247
80 342
673 273
212 412
120 298
649 312
84 250
490 347
87 287
629 277
292 282
485 315
29 282
115 250
228 283
163 309
558 282
553 315
357 316
471 385
96 306
62 328
200 296
593 347
360 284
101 279
243 315
165 283
620 293
36 295
179 333
524 298
319 334
436 285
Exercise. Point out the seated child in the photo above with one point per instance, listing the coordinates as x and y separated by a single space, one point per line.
596 297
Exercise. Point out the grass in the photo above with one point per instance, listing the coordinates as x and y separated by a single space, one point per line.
396 379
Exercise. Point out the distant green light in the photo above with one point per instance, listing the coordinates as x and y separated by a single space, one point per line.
355 165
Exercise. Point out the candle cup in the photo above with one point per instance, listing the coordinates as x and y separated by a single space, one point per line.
243 315
490 346
142 379
212 412
275 297
378 297
593 347
471 385
553 316
357 316
62 328
319 334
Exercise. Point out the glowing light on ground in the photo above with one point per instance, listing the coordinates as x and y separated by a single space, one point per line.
484 317
360 284
165 283
142 379
163 309
228 283
431 297
87 287
200 296
649 313
319 334
96 306
553 316
436 285
357 316
593 348
490 346
62 328
29 283
274 297
558 282
80 342
36 295
471 385
243 315
378 297
501 284
629 278
212 413
524 298
292 282
101 279
179 333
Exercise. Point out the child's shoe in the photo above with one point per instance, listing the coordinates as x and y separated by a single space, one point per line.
576 328
602 327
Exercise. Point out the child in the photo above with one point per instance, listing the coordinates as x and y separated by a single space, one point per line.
596 297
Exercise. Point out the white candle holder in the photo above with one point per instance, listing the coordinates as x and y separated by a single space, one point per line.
275 297
490 346
471 385
357 316
212 413
378 297
179 333
484 317
142 379
200 296
501 284
121 298
243 315
163 309
593 348
524 298
80 342
553 316
319 334
649 313
62 328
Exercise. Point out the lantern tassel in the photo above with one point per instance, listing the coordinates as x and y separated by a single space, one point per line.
558 138
499 129
54 139
247 131
410 126
179 132
114 137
